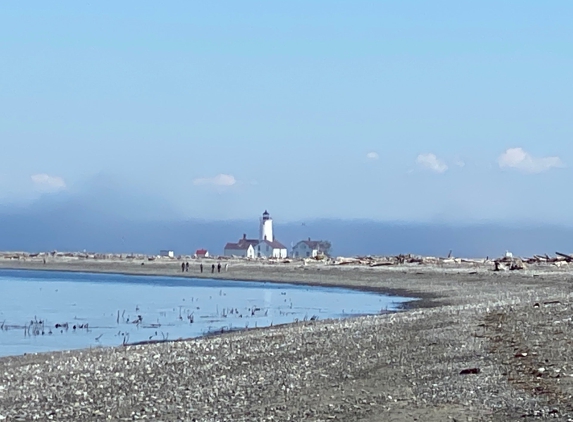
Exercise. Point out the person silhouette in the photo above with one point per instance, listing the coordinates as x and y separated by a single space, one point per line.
219 267
201 267
213 268
187 267
182 267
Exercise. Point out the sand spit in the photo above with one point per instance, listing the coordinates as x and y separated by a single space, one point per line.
510 333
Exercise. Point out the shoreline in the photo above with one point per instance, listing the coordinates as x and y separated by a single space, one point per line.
411 302
419 299
402 366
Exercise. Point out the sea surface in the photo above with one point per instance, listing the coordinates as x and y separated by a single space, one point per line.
43 311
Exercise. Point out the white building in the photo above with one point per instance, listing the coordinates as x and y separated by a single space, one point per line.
244 248
268 247
274 249
264 247
306 249
202 253
266 227
167 253
237 249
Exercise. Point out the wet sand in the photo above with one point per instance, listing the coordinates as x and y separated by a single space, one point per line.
513 328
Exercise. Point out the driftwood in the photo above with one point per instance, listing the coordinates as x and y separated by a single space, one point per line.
568 258
502 263
517 264
349 262
382 264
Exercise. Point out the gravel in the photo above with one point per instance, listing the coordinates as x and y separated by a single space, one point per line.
515 327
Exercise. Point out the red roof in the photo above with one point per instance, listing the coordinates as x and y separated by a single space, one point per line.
201 252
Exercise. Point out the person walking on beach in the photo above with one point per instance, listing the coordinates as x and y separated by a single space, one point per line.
201 267
187 267
226 266
219 267
182 267
213 268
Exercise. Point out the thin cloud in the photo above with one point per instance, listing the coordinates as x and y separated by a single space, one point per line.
372 155
46 183
431 162
218 180
518 159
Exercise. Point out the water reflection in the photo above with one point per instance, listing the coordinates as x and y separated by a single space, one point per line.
47 311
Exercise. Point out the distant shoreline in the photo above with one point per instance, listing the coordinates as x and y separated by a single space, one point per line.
420 282
247 272
210 277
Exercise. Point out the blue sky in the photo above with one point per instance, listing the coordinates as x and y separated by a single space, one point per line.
412 111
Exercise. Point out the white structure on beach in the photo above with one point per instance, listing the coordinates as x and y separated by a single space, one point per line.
201 253
263 247
167 253
242 248
266 229
306 249
274 249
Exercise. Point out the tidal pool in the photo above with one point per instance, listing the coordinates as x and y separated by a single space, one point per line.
43 311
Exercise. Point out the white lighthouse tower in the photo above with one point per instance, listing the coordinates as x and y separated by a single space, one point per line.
266 231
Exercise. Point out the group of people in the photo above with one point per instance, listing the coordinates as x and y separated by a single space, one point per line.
185 267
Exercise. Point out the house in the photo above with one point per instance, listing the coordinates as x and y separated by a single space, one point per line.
241 248
268 249
202 253
307 249
166 253
244 247
264 247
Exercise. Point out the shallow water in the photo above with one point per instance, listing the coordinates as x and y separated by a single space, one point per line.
110 309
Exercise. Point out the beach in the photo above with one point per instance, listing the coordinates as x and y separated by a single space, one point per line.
477 345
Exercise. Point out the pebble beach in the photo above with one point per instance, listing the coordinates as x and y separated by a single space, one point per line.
477 345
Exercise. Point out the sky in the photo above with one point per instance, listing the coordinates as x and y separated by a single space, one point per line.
441 111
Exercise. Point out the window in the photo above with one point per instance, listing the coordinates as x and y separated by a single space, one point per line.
308 254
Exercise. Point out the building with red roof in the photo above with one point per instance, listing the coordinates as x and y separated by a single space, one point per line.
202 253
265 247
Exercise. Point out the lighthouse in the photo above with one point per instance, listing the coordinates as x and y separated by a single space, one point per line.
266 231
